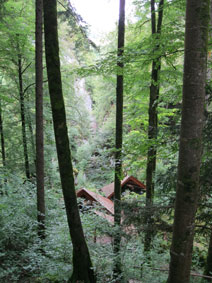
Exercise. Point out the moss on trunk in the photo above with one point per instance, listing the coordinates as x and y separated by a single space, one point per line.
190 140
82 267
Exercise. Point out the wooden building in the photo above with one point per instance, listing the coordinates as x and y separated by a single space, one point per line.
129 183
90 198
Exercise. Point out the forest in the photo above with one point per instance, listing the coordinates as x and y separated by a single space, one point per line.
106 145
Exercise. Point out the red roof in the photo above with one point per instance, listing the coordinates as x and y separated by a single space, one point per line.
108 190
108 217
105 202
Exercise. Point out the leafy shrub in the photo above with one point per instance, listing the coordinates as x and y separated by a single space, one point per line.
22 254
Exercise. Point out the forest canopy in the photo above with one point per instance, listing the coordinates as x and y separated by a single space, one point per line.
105 145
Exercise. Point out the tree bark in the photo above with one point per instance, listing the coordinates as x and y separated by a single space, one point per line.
39 120
2 139
208 267
197 18
82 267
153 122
118 155
23 120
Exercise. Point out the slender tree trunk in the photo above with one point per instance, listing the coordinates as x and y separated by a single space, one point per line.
197 18
29 121
153 122
23 121
82 267
39 120
208 268
2 139
118 156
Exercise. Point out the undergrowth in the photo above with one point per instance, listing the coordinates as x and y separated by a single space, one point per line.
25 258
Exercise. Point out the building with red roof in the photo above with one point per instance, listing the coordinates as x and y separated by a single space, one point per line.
128 183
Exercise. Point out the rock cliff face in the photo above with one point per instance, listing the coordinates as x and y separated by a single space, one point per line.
83 94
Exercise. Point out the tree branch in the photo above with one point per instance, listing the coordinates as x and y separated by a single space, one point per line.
26 68
25 90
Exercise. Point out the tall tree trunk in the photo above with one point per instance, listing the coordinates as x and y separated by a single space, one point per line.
208 267
82 267
190 151
39 120
118 156
2 138
23 121
153 122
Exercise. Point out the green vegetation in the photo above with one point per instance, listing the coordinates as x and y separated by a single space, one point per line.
89 75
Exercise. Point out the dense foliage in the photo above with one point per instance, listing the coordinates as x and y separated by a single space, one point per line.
89 86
